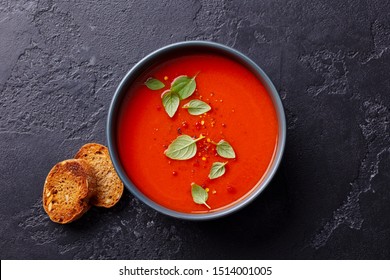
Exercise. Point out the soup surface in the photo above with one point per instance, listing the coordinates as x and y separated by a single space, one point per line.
242 113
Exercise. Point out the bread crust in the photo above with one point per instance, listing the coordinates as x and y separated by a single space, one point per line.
68 188
109 187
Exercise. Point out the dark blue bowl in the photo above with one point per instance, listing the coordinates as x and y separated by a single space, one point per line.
175 50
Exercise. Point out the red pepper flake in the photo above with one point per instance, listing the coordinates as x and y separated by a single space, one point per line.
184 124
205 183
158 108
179 131
231 189
198 126
174 173
223 125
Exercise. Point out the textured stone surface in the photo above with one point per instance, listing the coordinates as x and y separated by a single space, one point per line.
60 62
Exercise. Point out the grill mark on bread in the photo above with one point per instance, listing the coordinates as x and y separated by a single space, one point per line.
75 168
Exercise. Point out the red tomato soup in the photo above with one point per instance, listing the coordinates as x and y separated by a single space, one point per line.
242 113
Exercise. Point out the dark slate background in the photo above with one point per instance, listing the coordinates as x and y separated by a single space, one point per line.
60 62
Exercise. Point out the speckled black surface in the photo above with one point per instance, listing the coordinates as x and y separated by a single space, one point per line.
60 62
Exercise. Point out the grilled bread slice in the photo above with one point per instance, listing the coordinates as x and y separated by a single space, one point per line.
109 187
67 190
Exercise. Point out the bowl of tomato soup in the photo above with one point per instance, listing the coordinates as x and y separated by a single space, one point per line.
196 130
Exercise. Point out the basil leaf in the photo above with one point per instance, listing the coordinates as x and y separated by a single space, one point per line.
199 194
170 101
182 148
224 149
154 84
184 86
197 107
217 170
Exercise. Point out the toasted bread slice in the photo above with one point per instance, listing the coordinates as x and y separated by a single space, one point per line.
109 187
67 190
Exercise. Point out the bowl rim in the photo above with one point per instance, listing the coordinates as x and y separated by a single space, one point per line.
242 59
